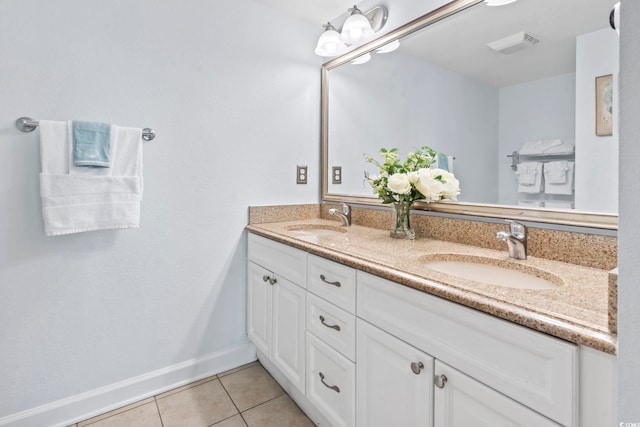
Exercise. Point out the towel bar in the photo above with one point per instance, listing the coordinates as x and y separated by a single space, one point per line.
27 124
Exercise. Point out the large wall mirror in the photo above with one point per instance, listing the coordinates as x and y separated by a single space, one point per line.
543 97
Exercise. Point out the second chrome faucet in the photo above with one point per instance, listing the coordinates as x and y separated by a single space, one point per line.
516 239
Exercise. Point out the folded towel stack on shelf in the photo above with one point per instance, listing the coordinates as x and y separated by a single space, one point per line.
106 195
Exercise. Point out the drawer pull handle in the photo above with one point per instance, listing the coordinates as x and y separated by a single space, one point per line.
336 327
271 280
332 387
440 381
417 367
324 279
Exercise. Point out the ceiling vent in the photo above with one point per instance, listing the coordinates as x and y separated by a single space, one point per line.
513 43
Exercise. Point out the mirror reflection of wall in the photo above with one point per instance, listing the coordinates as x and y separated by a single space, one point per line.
436 91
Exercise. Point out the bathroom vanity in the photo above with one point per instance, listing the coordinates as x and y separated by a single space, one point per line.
360 331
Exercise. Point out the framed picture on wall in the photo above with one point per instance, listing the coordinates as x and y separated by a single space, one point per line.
604 105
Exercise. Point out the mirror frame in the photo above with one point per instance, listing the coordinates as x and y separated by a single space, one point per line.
564 217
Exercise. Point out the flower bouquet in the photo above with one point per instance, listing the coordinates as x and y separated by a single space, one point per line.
402 183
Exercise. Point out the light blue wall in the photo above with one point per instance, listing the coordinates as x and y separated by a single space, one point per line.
232 89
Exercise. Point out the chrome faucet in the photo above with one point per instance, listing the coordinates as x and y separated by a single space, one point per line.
516 239
345 214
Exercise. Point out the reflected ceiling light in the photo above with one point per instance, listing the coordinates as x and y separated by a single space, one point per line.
362 59
389 47
329 43
614 17
498 2
356 28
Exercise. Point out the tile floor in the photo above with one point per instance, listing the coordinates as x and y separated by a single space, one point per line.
243 397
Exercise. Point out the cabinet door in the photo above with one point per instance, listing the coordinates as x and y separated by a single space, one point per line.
394 381
259 307
288 344
461 401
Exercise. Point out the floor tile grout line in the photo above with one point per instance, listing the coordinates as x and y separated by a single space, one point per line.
155 400
234 403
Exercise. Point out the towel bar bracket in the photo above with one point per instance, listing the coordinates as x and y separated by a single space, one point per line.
27 124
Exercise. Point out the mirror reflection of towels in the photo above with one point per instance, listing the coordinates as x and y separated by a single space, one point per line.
558 177
529 176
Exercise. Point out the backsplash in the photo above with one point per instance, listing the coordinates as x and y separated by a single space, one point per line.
588 250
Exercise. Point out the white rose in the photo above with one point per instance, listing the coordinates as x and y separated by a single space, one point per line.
451 186
399 183
413 177
430 187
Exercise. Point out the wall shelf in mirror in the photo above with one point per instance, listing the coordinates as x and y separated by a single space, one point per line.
444 87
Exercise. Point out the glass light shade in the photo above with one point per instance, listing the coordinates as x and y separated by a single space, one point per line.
389 47
362 59
498 2
329 44
356 28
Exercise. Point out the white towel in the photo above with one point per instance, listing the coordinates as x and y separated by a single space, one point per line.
558 177
529 177
531 203
78 199
558 204
546 146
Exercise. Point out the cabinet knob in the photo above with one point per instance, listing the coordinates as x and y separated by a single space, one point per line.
417 367
324 279
440 381
271 280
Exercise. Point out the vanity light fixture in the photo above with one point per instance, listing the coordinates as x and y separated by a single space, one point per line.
389 47
498 2
362 59
329 43
358 27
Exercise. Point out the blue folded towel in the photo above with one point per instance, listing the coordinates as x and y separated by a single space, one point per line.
442 161
91 144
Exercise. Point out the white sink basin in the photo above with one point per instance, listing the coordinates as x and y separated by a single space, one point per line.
316 230
492 271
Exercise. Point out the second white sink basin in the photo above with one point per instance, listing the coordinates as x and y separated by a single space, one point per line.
492 271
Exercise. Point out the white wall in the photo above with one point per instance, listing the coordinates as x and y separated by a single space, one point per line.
396 100
629 230
596 55
541 109
232 89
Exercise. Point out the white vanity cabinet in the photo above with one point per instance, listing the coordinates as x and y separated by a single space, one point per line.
354 349
538 373
276 306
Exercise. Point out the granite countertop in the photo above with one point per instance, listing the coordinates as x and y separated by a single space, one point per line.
577 310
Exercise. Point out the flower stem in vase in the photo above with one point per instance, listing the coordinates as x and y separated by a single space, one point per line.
401 222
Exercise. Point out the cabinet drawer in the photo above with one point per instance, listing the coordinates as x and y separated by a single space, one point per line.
532 368
332 281
288 262
332 325
330 382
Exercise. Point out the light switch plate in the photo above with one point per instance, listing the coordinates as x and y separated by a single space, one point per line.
336 175
301 176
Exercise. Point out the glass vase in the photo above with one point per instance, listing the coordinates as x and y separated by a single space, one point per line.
401 221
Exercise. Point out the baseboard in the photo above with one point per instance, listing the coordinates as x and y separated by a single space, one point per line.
95 402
